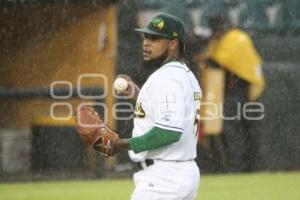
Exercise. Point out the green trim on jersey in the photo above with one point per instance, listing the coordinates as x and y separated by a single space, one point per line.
153 139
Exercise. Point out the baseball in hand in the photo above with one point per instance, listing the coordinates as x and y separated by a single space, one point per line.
120 84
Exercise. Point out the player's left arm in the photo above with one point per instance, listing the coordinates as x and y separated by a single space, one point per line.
153 139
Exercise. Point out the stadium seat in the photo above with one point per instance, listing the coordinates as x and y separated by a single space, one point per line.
269 2
233 3
288 18
148 3
179 9
214 6
253 15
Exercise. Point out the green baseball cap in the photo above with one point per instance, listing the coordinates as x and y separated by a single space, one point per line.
165 25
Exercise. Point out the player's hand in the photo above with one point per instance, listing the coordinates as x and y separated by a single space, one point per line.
122 144
132 90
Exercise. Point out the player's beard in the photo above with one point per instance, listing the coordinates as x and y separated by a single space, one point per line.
154 64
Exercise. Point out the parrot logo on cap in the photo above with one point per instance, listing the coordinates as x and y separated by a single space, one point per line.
158 23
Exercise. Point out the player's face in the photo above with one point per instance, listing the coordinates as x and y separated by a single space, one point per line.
154 46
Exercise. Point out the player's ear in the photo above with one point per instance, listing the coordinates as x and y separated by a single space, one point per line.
174 44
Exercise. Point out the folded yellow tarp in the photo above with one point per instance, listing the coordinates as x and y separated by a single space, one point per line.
235 52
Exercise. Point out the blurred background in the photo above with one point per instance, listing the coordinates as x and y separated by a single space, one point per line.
57 54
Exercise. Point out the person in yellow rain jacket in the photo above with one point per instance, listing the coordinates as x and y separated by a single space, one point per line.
231 75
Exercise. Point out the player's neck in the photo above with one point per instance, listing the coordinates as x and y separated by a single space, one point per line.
173 56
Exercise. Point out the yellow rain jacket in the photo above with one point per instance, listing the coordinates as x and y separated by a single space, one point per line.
236 53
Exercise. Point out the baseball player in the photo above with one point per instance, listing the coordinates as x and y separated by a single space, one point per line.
164 136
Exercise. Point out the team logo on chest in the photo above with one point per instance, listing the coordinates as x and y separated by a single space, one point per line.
197 96
139 111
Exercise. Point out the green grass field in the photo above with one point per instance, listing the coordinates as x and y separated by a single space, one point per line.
260 186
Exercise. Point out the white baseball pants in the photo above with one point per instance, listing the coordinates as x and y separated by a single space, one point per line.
167 180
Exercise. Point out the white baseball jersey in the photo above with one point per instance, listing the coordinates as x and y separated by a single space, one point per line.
169 99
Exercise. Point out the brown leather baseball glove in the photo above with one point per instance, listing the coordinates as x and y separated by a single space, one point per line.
95 132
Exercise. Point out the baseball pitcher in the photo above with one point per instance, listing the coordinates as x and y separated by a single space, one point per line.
164 136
